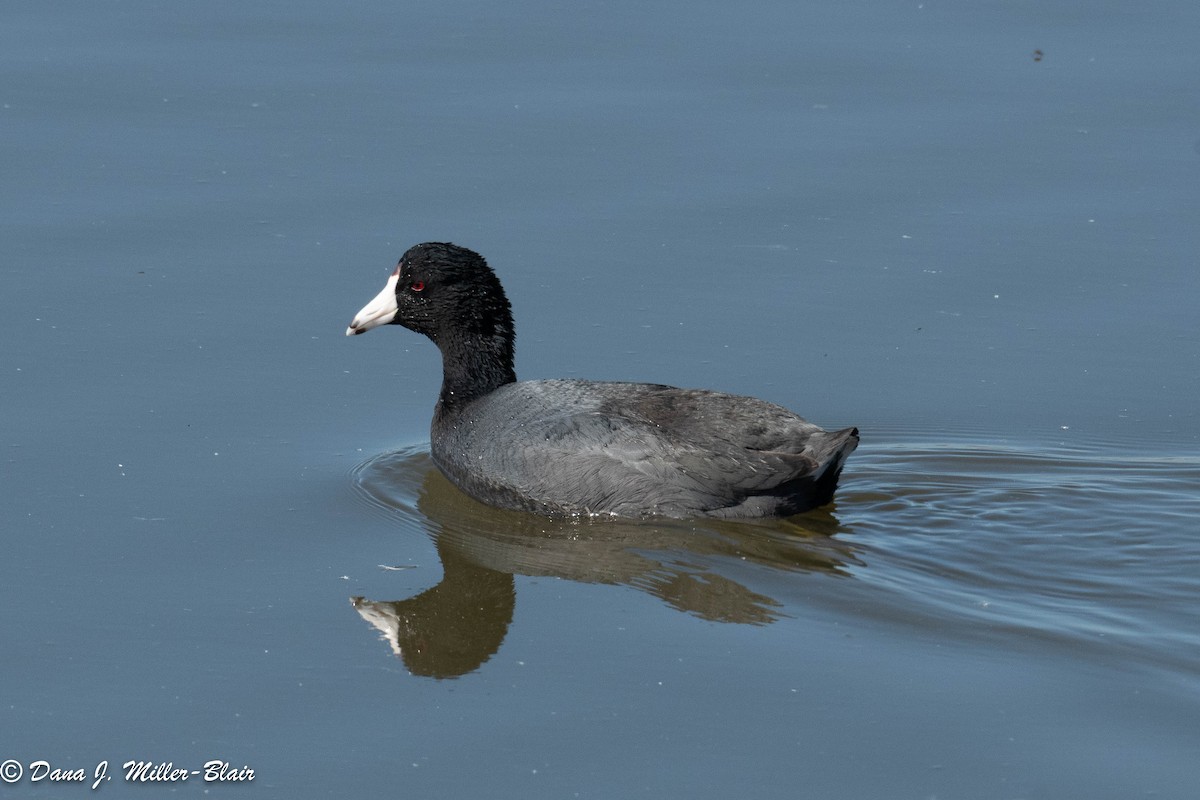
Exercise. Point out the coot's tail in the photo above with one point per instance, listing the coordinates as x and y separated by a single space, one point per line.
838 445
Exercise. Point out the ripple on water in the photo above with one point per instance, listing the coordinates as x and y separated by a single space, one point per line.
1030 546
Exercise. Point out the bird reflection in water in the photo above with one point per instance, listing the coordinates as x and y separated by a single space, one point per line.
698 567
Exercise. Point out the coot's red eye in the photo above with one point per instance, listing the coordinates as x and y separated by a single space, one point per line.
417 286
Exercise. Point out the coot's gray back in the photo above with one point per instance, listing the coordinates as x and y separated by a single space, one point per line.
636 449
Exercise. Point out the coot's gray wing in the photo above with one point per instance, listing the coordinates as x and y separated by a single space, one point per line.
747 456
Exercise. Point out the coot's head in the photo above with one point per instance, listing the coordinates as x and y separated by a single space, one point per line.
444 291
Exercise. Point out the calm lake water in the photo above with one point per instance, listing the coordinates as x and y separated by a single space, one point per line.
968 229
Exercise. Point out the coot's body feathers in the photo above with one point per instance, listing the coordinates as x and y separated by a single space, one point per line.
584 447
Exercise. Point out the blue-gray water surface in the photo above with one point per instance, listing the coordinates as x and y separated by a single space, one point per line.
968 229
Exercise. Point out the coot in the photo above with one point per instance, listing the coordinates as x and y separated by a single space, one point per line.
572 447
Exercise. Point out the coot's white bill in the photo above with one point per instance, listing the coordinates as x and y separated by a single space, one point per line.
379 311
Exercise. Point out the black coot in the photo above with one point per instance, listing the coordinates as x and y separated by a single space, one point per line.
586 447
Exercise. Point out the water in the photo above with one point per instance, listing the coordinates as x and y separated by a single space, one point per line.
223 537
975 612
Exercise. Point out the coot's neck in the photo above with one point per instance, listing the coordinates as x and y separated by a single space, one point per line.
472 366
